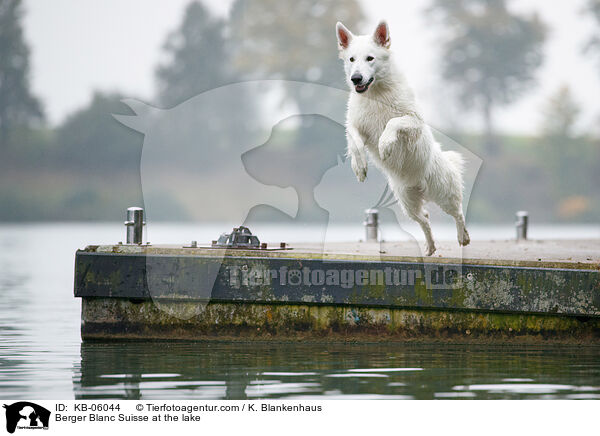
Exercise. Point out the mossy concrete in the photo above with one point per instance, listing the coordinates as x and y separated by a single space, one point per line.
181 293
111 318
399 284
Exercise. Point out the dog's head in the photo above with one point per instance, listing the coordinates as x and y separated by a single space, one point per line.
366 57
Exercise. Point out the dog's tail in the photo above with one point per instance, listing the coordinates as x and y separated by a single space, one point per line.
456 161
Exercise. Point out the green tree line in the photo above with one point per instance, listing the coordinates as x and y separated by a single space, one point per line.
87 167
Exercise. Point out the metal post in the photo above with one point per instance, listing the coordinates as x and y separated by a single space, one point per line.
135 225
371 224
521 225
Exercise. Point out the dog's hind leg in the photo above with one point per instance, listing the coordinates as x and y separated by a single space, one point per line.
461 229
412 200
449 195
456 212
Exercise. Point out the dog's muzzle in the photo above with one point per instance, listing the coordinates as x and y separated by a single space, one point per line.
362 88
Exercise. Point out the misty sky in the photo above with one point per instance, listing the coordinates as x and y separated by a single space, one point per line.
82 45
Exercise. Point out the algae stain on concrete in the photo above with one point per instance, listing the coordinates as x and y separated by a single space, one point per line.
423 294
279 319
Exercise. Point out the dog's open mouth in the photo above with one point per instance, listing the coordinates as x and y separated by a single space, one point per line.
362 88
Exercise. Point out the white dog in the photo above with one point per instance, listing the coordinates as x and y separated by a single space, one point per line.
384 120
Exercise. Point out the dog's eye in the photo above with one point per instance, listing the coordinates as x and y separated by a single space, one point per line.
351 59
370 58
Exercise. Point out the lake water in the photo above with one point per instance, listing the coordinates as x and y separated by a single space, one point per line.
42 356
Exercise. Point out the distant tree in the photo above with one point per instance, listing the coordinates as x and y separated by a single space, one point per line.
593 44
17 105
90 139
292 40
560 114
489 54
569 156
197 57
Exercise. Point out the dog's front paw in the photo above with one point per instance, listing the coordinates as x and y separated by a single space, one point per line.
386 143
464 239
359 170
361 174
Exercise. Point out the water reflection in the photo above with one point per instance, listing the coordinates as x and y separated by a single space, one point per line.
41 355
410 371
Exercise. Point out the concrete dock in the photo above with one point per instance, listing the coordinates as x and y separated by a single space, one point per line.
499 291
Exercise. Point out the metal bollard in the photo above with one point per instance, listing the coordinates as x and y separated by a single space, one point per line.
135 225
521 225
371 224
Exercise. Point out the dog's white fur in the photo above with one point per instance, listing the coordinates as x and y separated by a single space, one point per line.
383 120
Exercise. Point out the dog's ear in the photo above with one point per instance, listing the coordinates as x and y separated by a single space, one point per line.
382 35
344 36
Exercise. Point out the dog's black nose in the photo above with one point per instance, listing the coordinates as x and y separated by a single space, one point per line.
356 78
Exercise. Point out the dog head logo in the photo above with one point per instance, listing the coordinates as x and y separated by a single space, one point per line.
26 415
219 157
